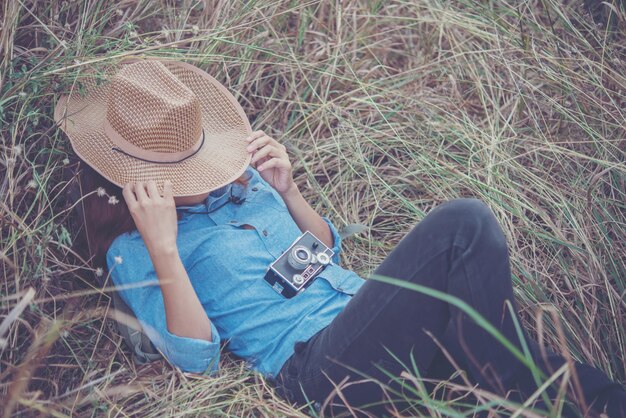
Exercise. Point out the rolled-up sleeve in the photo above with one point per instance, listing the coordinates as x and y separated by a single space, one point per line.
191 354
139 288
336 240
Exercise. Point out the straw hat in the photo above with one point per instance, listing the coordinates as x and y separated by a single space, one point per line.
158 119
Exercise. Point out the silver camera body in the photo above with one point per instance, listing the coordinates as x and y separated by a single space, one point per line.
298 265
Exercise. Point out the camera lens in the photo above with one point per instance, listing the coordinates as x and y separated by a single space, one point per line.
299 257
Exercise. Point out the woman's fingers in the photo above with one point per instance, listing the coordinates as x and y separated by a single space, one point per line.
153 192
267 153
256 143
274 162
254 135
129 196
167 190
267 150
136 192
140 192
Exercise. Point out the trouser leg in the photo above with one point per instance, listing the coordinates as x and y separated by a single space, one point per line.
459 249
600 394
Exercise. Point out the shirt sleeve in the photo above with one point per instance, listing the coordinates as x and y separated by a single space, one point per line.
139 288
336 240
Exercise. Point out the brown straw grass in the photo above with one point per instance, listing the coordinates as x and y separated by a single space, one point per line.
387 109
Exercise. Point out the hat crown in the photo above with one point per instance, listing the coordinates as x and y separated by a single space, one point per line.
152 109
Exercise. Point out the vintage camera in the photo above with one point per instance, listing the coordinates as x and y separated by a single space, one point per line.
296 267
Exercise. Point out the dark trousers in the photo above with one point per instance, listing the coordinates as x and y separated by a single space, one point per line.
459 249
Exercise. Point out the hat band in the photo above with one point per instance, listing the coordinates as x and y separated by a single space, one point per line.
132 150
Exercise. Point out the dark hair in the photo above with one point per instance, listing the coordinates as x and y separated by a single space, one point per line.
103 221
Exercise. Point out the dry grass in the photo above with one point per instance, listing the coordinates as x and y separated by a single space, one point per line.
387 109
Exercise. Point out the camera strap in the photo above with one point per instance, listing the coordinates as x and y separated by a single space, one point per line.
351 229
238 193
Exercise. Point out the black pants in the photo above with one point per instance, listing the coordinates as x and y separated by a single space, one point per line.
459 249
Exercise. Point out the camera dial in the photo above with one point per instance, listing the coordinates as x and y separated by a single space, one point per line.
323 258
298 279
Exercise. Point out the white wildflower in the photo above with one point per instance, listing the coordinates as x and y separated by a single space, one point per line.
119 12
113 200
119 259
99 272
133 34
65 333
66 161
22 94
101 192
32 184
195 29
17 149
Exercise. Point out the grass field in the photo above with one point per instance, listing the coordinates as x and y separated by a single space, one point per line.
387 109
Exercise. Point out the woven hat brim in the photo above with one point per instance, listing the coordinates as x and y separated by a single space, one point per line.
222 158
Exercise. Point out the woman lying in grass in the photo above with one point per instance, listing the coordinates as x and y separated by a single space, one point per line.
208 205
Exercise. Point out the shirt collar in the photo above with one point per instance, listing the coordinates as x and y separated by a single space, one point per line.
216 197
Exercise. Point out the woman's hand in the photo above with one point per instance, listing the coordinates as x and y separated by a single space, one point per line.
272 161
154 216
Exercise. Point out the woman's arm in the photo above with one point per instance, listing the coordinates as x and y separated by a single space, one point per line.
156 221
306 217
270 159
184 313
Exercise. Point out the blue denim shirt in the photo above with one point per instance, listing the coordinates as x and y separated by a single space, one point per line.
226 263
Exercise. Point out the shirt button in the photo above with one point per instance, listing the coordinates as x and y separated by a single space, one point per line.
254 189
265 232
